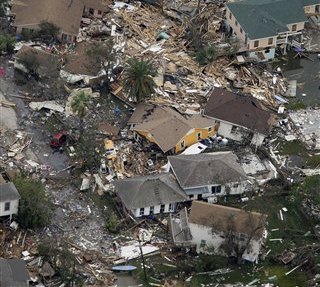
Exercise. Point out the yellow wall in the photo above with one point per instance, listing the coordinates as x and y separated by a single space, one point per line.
189 139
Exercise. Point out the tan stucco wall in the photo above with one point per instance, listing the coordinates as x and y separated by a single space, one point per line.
311 10
300 26
263 43
236 28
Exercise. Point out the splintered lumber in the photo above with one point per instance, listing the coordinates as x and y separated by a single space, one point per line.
7 104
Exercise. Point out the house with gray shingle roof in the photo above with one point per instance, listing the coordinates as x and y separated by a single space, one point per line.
263 25
208 175
9 199
150 194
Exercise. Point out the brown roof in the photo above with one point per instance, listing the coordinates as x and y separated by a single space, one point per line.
79 62
66 14
108 129
48 62
102 5
224 218
244 111
166 125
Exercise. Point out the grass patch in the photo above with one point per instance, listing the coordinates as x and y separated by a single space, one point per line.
296 105
296 147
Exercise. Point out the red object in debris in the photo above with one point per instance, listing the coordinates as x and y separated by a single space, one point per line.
2 72
58 140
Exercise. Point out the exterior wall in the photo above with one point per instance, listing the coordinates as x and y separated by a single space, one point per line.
263 43
311 10
205 191
300 27
96 12
225 129
241 35
136 212
14 205
268 54
213 241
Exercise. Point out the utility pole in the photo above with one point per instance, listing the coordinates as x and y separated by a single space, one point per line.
142 258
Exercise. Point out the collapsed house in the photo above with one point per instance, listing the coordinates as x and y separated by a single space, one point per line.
9 199
36 60
209 175
217 229
148 195
168 129
13 272
240 118
263 26
66 14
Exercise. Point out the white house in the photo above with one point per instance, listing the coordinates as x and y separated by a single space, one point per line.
9 199
148 195
208 175
211 228
240 118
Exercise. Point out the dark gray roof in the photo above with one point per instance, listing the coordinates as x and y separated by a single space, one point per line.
8 192
206 169
13 273
266 18
149 190
309 2
244 111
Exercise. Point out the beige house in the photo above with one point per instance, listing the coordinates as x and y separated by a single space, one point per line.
66 14
263 25
311 7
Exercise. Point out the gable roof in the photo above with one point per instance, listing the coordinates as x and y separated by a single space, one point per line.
13 273
166 125
223 218
149 190
244 111
8 192
66 14
266 18
206 168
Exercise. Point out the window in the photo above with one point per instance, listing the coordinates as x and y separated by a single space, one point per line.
142 211
151 210
235 185
256 44
209 129
233 129
241 31
91 11
294 27
182 144
7 206
162 208
199 136
270 41
99 12
199 196
236 23
190 196
170 206
203 244
216 189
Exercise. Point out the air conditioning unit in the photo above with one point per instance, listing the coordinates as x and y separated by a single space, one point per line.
212 199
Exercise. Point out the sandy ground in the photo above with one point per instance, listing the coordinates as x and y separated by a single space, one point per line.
8 118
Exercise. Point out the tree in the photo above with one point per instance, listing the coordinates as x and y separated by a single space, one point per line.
6 43
79 106
34 208
138 81
235 244
205 55
104 55
30 62
48 31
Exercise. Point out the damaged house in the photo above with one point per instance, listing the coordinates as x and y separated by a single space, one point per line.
150 194
168 129
208 175
240 118
9 199
264 25
218 229
66 14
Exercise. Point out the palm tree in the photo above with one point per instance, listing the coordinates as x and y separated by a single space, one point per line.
138 81
79 106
